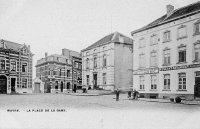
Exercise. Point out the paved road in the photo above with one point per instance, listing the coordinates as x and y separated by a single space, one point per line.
95 112
85 102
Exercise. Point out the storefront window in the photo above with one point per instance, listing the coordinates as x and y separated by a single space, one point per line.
166 82
182 81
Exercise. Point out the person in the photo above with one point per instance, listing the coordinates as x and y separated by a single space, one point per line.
129 94
74 89
135 94
117 95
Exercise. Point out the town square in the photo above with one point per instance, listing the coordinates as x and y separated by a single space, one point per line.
111 64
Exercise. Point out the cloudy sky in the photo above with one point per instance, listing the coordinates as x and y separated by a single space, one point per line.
50 25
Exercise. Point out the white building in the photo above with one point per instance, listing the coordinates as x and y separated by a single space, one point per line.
167 54
107 64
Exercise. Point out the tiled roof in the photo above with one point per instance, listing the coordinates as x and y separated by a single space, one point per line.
113 37
11 45
178 13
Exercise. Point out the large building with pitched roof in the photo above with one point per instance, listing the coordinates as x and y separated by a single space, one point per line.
15 68
167 54
107 64
60 73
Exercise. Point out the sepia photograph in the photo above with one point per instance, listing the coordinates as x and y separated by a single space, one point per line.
99 64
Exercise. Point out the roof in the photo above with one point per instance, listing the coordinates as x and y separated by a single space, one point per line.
176 14
11 45
113 37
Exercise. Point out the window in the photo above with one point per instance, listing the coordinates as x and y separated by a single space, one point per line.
50 58
58 59
88 79
68 85
24 67
142 60
197 52
104 60
182 54
153 59
166 82
182 32
141 82
24 82
153 82
197 27
153 40
3 64
182 81
166 56
141 43
104 78
75 64
95 62
13 66
87 63
60 72
68 73
166 36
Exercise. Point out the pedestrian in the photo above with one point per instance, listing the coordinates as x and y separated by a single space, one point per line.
74 89
129 94
135 94
117 95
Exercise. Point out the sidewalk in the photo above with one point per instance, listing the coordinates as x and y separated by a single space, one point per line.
187 102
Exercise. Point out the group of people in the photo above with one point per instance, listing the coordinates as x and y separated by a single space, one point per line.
134 92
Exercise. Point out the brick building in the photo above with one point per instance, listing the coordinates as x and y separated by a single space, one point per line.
107 63
56 71
15 67
167 54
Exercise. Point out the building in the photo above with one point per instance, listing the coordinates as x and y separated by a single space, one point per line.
38 85
107 64
167 54
56 71
15 68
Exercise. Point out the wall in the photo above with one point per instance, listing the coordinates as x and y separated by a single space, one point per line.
123 66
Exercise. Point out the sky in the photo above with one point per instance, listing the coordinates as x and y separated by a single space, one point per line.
50 25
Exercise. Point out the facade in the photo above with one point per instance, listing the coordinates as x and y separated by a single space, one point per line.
38 85
167 55
107 64
15 68
56 71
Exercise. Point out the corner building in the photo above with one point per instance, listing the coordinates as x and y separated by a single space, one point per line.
15 68
107 63
167 55
60 73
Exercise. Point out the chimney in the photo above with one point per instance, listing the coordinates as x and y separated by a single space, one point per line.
46 54
170 9
29 47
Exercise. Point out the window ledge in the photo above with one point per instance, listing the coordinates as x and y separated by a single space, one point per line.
181 90
179 38
166 41
141 90
197 33
153 90
166 64
196 61
181 63
166 90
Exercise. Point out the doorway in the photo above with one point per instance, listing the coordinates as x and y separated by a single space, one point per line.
61 87
95 80
13 82
197 84
3 84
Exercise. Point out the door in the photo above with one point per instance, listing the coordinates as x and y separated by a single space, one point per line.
13 85
3 84
197 87
197 84
95 80
61 87
37 88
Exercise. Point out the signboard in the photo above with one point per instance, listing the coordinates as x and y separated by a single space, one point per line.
146 71
180 67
